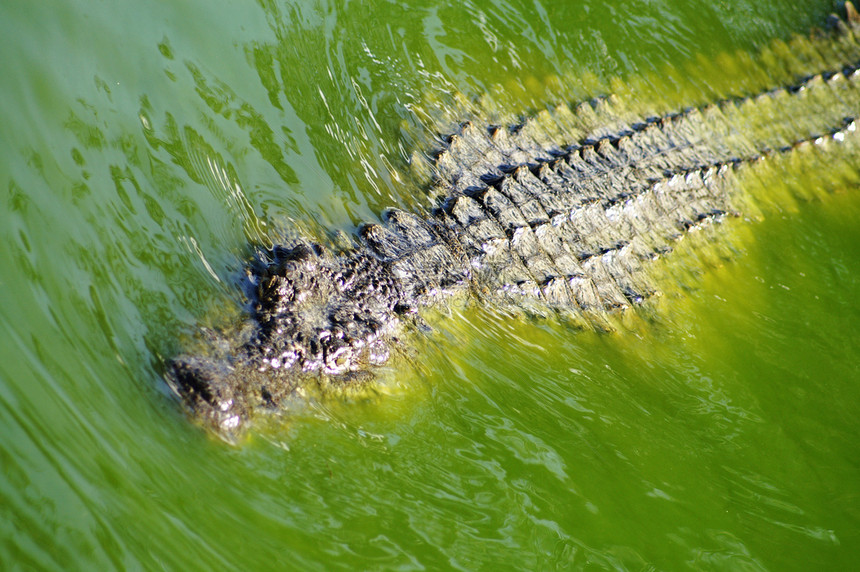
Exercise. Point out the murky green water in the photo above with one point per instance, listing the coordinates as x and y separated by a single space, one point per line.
146 144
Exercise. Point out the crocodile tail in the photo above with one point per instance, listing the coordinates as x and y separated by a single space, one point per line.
574 224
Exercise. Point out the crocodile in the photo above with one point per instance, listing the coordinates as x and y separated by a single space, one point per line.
563 212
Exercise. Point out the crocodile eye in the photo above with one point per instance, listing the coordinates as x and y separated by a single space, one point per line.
402 308
338 360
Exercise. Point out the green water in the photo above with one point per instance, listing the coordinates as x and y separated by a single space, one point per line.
145 145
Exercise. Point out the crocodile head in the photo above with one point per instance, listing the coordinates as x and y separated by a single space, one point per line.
322 313
318 318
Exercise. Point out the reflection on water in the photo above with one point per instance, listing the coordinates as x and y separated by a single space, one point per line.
148 147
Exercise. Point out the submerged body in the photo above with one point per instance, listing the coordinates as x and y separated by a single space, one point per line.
563 212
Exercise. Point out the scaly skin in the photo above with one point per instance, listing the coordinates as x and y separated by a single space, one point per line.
522 220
